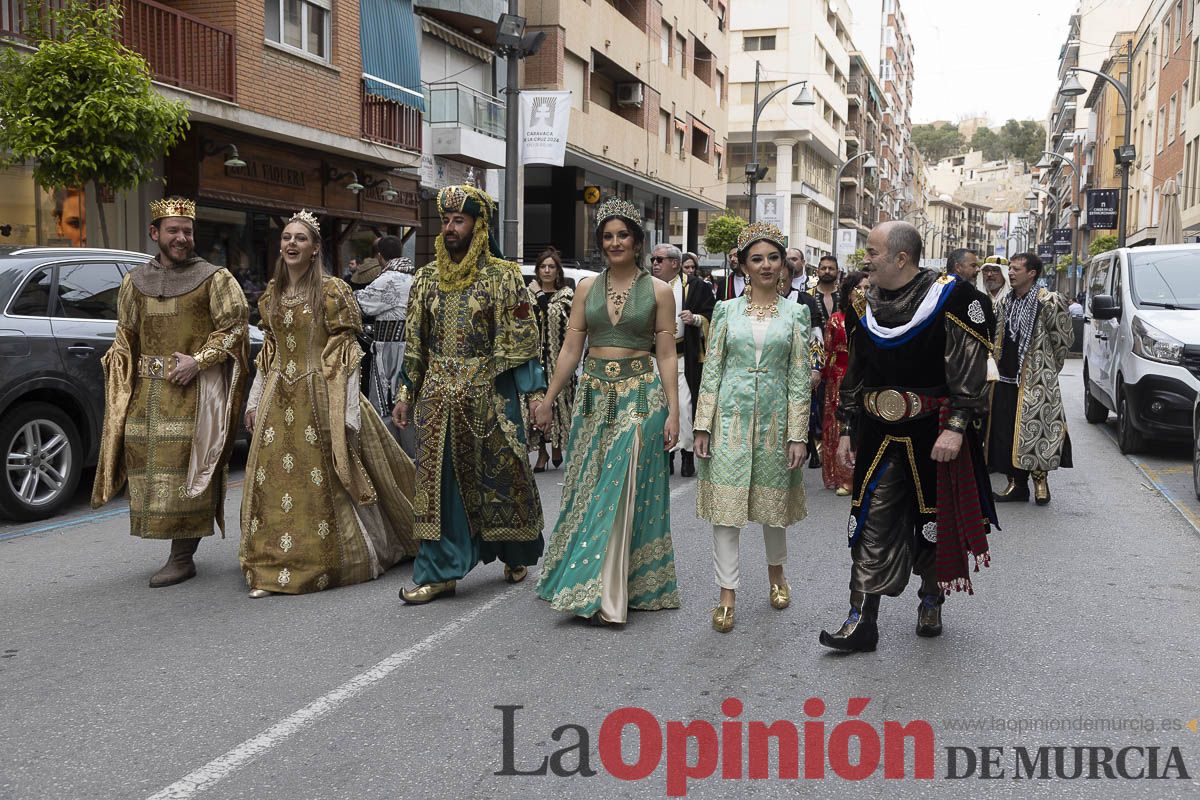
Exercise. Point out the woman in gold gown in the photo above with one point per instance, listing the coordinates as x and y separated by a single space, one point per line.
328 491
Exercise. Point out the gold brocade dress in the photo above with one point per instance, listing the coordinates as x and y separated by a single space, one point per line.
328 491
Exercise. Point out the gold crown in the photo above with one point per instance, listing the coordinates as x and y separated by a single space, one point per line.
616 207
758 232
308 218
172 207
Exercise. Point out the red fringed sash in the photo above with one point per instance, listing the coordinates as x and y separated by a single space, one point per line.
961 527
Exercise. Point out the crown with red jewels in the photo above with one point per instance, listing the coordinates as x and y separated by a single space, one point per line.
172 207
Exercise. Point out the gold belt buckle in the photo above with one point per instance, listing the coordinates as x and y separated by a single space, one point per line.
891 405
158 366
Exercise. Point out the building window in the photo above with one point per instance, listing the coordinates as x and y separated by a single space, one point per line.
1172 114
720 89
681 49
700 144
680 139
664 131
752 43
665 42
1160 136
302 24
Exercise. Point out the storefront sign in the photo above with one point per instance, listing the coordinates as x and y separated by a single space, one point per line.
545 118
1102 208
1045 252
1061 239
269 172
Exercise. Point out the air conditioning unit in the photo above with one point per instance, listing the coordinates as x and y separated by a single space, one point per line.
629 94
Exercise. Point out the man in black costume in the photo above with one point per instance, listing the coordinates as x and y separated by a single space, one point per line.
917 375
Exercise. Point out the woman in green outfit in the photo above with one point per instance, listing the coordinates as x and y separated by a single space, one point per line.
611 549
752 419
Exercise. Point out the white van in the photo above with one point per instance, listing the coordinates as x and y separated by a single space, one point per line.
1141 342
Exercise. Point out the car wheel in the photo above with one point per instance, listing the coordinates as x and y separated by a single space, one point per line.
1196 457
1128 439
44 457
1094 411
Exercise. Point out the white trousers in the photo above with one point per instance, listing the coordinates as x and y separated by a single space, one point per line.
725 551
687 437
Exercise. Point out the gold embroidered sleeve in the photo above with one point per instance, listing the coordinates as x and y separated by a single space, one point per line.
267 354
418 328
229 309
517 339
799 386
119 381
710 378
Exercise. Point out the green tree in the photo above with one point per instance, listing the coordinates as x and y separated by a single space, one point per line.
938 142
81 105
855 260
1024 140
989 142
1102 244
722 233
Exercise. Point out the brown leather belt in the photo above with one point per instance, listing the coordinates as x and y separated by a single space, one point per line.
155 366
894 405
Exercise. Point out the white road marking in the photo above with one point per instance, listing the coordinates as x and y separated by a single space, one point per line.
223 766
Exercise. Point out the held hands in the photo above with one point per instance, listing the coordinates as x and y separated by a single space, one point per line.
797 454
947 446
541 415
185 370
400 415
700 448
845 454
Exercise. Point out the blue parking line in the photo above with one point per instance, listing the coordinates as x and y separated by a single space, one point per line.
68 523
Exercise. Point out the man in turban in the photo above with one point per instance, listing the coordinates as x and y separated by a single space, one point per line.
471 356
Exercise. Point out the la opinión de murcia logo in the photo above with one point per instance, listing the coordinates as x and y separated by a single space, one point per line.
632 744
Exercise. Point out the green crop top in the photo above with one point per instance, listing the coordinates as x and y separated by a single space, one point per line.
635 329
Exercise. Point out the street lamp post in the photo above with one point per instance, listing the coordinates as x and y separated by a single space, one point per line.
755 173
513 44
1126 153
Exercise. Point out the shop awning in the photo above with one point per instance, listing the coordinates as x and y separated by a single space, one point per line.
391 56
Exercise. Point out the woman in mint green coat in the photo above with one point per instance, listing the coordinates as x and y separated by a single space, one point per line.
752 419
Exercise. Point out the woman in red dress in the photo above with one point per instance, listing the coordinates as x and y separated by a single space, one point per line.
835 474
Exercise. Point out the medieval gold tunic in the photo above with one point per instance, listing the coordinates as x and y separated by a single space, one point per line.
172 442
327 499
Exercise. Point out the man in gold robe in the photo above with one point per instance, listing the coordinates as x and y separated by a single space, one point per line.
174 380
471 359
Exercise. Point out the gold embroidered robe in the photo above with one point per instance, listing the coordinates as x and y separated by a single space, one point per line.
172 443
324 505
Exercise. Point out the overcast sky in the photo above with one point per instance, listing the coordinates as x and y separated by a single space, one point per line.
993 58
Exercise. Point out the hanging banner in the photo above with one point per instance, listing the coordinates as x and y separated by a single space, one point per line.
1045 252
545 119
1102 208
770 209
847 243
1061 239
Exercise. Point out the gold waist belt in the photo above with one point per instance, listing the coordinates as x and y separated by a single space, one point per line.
155 366
893 405
609 378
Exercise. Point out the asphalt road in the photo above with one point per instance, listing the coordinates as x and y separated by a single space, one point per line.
1086 621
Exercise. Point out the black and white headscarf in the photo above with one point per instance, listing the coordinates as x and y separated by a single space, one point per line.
1019 318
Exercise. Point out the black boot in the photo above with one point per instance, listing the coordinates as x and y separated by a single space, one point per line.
814 457
929 615
687 464
860 632
671 462
179 567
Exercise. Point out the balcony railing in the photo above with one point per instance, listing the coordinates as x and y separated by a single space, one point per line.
180 49
391 123
456 105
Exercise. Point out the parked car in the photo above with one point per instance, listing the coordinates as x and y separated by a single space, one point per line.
59 317
1141 342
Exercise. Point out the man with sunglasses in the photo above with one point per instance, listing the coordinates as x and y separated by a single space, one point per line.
695 301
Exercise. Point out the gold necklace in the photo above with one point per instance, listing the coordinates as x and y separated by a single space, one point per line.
761 310
618 298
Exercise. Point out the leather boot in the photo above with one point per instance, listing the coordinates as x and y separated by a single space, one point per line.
814 457
860 632
687 464
1041 488
179 567
671 462
929 615
1013 493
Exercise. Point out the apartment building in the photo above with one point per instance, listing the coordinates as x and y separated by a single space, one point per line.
1106 130
315 104
946 229
801 146
649 103
859 205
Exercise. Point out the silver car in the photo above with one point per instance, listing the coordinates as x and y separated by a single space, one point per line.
59 317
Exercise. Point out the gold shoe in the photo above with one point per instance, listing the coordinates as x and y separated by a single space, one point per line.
722 619
1041 488
781 596
515 574
256 593
842 491
426 592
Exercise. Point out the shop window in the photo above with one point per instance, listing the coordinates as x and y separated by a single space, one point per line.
87 291
301 24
